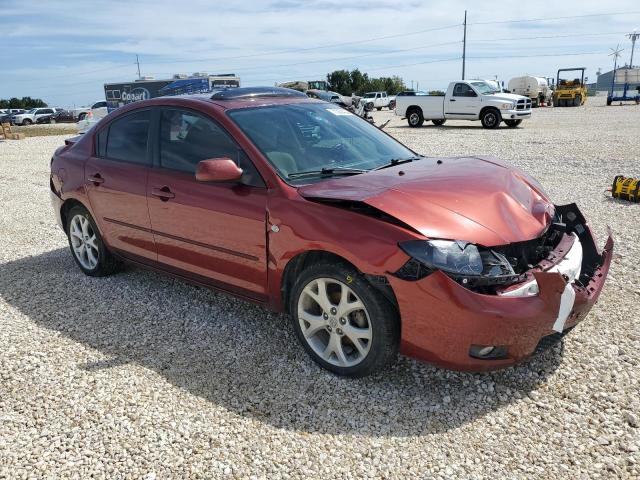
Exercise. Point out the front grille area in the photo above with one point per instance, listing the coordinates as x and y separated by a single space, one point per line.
523 104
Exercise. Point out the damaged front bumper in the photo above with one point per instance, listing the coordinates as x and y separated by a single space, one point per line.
448 324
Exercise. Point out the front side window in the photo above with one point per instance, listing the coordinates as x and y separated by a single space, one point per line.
484 88
307 137
127 138
187 138
463 90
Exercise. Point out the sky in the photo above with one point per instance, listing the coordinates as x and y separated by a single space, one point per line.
64 51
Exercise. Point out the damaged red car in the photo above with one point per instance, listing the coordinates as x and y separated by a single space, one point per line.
305 208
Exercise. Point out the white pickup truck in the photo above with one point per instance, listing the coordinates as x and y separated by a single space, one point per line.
379 100
472 100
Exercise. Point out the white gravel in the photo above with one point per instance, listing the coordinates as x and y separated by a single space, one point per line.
143 376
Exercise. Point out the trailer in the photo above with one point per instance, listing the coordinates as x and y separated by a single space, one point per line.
119 94
625 77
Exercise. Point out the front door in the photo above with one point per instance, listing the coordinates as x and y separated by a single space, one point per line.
116 179
463 103
215 232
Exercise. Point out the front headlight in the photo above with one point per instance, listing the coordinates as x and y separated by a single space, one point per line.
449 256
466 263
508 106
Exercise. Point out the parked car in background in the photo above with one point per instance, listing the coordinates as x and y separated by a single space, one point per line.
31 116
61 116
92 117
299 205
328 96
379 99
99 106
6 117
465 100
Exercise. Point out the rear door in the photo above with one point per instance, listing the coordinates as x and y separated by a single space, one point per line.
116 179
463 102
214 232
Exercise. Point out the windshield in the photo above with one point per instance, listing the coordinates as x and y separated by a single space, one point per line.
33 110
484 88
314 136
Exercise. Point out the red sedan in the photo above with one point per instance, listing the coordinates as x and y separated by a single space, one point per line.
305 208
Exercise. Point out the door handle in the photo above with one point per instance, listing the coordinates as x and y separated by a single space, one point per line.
96 179
452 99
163 193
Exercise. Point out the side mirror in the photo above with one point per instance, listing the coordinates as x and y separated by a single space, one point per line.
218 170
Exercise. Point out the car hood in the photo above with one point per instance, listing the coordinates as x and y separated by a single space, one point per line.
506 97
477 199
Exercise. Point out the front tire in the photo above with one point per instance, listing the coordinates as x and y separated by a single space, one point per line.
491 118
343 322
415 118
87 246
26 122
577 101
81 116
512 123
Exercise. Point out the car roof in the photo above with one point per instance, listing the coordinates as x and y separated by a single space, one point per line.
241 98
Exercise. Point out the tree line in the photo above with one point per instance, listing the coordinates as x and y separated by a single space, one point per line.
347 82
24 102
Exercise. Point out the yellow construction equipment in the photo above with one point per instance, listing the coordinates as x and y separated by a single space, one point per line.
570 92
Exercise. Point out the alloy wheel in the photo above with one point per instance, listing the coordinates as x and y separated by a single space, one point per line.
84 242
334 322
490 119
414 118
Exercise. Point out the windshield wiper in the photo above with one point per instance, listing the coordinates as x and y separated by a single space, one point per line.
397 161
332 171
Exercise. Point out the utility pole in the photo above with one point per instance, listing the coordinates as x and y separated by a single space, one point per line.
633 37
464 44
138 63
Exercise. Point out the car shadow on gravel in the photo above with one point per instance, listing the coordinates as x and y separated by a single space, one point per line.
244 358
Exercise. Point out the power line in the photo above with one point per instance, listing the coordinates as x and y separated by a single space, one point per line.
549 19
317 47
539 37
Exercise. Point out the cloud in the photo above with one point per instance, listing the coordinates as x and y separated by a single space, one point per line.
65 51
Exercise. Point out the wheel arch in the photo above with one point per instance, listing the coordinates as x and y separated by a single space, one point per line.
302 260
66 207
489 107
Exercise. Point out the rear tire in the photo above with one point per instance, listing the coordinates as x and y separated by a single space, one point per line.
378 108
328 324
439 122
86 244
415 118
512 123
491 118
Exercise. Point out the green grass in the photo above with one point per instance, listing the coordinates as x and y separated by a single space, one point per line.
45 130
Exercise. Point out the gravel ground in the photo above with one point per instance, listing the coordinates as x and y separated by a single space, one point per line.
143 376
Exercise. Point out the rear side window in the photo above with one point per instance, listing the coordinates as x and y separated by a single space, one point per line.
101 142
187 138
127 138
